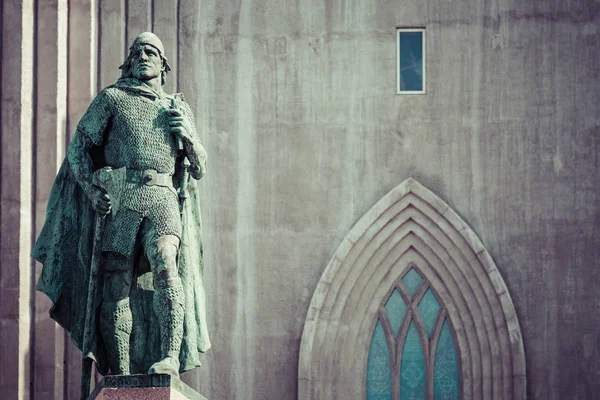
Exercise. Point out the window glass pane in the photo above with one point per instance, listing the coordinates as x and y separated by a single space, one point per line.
411 61
379 370
412 370
429 309
412 280
395 309
445 373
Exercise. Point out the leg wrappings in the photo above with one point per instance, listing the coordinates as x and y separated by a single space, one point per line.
116 323
169 308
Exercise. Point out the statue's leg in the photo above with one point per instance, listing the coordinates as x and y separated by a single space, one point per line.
168 300
116 320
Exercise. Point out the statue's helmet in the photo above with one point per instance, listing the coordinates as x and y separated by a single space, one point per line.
145 38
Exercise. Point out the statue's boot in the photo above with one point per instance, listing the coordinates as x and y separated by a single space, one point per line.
116 323
169 308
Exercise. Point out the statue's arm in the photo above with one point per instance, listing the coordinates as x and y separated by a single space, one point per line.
81 162
197 157
90 132
193 148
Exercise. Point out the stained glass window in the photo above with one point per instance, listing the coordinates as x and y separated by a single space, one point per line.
411 61
445 373
412 370
416 327
395 309
379 370
412 280
429 309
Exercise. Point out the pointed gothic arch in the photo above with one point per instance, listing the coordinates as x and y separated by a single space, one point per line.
411 227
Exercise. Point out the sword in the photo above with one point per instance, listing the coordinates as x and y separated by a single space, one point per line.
86 362
185 164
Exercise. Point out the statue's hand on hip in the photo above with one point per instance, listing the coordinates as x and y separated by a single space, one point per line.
100 201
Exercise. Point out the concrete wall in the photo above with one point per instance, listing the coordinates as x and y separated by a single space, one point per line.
296 105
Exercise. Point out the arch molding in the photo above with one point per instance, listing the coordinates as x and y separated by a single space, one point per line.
411 226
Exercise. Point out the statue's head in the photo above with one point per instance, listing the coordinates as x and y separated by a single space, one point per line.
146 59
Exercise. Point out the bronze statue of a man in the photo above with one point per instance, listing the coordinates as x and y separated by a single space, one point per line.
132 166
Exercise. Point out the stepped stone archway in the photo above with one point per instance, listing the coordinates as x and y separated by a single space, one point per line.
408 227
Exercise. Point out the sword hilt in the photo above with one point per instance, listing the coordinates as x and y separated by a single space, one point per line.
174 107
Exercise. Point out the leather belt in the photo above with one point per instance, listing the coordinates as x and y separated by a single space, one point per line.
149 177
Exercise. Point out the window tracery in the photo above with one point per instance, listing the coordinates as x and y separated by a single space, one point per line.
413 354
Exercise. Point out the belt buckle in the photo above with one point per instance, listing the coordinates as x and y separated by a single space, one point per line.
149 177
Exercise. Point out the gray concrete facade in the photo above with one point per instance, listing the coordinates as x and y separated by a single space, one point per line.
296 105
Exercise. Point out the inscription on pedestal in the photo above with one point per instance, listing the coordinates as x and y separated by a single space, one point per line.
143 387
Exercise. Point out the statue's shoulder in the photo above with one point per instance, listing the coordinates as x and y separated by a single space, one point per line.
178 96
110 90
114 91
100 109
108 95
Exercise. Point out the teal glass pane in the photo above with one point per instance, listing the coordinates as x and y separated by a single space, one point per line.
412 280
429 309
411 61
412 369
395 309
379 370
445 372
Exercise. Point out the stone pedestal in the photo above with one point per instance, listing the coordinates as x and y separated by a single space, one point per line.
143 387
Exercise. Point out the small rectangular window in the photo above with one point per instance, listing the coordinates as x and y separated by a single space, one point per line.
410 44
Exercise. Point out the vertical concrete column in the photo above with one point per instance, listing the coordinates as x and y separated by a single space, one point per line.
82 59
16 120
82 75
49 150
189 59
139 19
164 25
111 36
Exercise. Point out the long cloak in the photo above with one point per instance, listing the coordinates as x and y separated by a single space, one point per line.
64 247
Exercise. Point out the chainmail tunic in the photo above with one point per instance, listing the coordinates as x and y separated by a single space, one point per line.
134 131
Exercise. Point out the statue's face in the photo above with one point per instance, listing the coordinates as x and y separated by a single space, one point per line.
146 63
